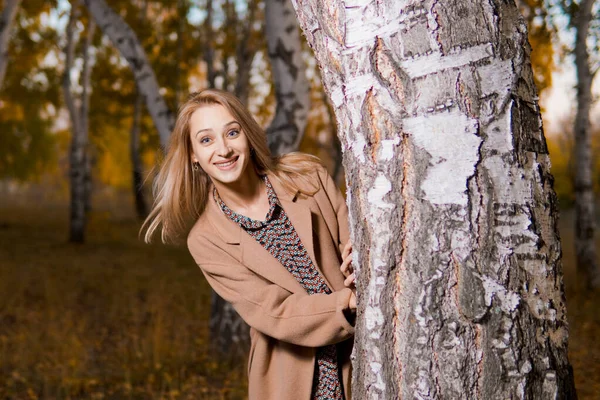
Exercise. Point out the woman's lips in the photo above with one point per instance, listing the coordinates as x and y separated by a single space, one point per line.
227 164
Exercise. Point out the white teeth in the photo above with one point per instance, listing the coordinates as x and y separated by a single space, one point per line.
227 164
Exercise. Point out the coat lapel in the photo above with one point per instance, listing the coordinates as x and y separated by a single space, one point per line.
301 218
249 252
259 260
299 213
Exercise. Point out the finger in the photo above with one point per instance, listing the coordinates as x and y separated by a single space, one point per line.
344 267
349 280
347 250
352 302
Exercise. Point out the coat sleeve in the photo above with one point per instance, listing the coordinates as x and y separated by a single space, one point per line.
338 202
297 318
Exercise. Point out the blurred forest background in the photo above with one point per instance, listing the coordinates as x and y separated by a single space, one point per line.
87 309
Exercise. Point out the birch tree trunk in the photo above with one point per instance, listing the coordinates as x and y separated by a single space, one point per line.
125 39
292 90
182 10
137 183
84 113
229 334
452 209
335 149
141 207
7 19
585 217
209 48
78 149
244 54
230 39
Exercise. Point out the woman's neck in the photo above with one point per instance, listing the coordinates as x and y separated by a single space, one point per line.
243 195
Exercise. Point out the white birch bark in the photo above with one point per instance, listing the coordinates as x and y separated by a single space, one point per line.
585 217
125 39
78 148
452 211
292 90
84 112
7 18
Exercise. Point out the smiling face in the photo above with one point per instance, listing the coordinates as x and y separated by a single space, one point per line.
219 145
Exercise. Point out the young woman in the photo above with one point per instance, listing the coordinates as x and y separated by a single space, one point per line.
270 234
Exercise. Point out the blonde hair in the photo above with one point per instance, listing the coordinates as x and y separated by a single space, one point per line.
180 193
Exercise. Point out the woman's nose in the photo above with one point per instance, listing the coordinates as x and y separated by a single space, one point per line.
223 149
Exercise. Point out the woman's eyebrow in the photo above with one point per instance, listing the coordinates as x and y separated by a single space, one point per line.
234 122
225 126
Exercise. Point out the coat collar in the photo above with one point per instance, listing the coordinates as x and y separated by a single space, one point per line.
253 255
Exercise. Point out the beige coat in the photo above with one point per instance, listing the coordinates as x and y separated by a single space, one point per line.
286 324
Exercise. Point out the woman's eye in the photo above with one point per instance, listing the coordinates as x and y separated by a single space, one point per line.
233 133
205 140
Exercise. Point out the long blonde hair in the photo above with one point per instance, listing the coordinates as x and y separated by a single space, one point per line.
180 193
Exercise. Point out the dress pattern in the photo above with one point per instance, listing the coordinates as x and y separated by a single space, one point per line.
277 235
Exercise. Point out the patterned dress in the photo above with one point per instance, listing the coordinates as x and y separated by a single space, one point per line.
278 236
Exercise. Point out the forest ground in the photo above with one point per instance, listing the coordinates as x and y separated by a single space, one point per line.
118 319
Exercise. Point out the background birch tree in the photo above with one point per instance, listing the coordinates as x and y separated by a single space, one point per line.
229 333
452 209
125 39
137 184
208 49
124 136
137 180
245 49
292 90
585 215
232 38
78 107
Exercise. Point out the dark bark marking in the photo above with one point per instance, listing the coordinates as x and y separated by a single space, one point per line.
472 29
392 76
286 57
471 301
467 92
527 130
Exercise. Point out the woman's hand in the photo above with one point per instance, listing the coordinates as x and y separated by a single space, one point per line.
346 266
352 302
